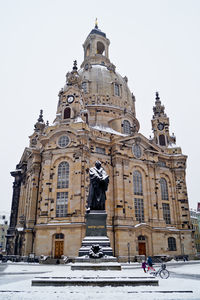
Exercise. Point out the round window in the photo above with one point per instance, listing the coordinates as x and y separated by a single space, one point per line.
137 151
63 141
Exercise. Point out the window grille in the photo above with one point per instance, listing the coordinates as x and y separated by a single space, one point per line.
61 204
116 89
63 175
126 127
166 213
137 183
139 209
59 236
63 141
161 163
164 189
100 150
137 151
172 244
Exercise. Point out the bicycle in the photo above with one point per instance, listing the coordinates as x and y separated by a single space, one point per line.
162 272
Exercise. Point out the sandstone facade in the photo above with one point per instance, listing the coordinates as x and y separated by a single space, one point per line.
147 204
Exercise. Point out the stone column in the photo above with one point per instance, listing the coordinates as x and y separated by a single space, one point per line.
10 244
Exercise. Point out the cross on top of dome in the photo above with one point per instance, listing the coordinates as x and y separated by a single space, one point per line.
96 30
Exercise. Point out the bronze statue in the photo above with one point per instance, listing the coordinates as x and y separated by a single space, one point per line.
98 186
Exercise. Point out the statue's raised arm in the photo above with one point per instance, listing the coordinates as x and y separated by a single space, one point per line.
98 186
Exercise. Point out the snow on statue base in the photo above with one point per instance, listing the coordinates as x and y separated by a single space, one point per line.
95 252
96 234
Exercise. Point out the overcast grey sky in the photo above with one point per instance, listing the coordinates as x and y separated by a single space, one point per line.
155 43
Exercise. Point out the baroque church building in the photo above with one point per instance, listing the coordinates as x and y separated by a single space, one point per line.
147 204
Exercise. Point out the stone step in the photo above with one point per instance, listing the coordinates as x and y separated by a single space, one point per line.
95 281
114 266
104 259
52 261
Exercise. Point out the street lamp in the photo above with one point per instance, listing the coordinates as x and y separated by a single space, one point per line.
128 245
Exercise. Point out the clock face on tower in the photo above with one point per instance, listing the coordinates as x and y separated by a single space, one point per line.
160 126
70 99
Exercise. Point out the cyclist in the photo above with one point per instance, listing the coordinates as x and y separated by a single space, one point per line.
150 264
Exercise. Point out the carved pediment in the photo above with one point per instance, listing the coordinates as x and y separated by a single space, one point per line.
141 140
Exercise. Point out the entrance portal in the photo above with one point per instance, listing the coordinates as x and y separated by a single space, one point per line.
59 245
142 248
141 245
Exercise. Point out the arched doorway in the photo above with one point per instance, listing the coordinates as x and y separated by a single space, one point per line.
141 245
59 245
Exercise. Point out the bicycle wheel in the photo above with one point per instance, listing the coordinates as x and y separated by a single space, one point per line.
164 274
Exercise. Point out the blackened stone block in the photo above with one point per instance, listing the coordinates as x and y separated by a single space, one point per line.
96 223
96 233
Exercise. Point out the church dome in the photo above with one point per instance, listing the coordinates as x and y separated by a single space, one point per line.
105 93
105 89
109 87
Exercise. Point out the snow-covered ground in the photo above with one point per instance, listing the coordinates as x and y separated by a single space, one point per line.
15 283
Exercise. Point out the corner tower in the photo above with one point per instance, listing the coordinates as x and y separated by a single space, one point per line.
160 125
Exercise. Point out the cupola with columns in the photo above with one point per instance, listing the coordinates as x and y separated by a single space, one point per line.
96 93
96 48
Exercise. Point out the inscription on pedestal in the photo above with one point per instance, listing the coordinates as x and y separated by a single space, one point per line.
96 223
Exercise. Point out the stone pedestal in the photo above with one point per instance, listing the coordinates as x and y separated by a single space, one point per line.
96 223
96 233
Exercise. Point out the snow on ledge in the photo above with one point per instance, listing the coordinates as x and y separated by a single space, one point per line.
20 228
78 120
107 129
137 225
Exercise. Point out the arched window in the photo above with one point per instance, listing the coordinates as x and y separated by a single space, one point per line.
141 238
164 189
138 202
116 89
84 86
100 48
137 183
59 236
63 175
86 118
171 244
162 140
137 150
67 113
126 127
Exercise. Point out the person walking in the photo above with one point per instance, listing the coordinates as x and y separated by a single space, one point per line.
144 264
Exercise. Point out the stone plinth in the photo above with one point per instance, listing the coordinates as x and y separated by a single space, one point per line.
96 266
96 233
96 223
